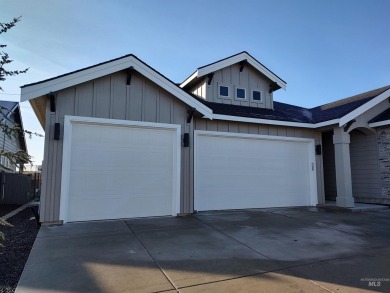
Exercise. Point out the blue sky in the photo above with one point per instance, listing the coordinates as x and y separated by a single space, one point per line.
324 50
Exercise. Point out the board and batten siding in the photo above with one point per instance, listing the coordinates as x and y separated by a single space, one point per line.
110 97
249 79
366 180
263 129
200 89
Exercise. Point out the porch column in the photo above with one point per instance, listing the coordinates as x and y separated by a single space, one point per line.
341 142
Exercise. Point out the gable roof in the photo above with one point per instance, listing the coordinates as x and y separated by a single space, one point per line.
42 88
340 111
243 56
14 107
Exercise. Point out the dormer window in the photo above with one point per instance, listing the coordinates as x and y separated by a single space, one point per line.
224 91
240 94
256 96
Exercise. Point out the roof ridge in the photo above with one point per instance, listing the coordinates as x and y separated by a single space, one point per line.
354 98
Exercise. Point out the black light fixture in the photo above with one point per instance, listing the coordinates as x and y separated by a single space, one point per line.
186 140
57 131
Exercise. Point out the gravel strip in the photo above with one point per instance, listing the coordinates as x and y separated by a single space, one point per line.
18 243
7 208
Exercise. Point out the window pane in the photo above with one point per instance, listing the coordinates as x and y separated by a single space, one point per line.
224 91
240 93
256 95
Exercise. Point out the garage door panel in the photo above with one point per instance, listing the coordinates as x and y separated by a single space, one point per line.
251 172
124 207
122 171
111 182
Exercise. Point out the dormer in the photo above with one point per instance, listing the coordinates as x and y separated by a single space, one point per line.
236 80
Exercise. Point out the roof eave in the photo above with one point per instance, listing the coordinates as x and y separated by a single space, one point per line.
363 108
33 91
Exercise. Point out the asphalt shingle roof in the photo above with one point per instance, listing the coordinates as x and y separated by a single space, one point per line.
291 113
385 115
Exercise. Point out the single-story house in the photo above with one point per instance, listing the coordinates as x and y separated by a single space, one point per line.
11 141
123 141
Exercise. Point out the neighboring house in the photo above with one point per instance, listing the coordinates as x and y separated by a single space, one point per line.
10 115
124 141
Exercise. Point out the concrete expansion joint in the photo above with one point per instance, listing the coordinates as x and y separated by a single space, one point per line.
151 256
219 231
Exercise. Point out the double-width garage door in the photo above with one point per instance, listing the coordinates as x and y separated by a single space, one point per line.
119 169
251 171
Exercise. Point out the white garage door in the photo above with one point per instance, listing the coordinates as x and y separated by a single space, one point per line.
119 170
252 171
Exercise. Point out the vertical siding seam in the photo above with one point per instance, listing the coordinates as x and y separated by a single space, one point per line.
191 167
57 183
52 183
76 101
143 100
93 99
127 103
158 106
45 167
111 98
172 112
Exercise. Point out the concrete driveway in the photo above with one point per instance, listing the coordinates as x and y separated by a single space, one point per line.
267 250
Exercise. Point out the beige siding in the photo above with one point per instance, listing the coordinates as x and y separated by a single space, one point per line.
365 165
249 79
110 97
262 129
200 89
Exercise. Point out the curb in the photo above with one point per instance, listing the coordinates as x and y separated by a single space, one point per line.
19 209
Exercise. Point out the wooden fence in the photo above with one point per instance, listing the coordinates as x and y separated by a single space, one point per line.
19 188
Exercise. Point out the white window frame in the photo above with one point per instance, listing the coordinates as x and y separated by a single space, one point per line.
219 91
261 96
240 99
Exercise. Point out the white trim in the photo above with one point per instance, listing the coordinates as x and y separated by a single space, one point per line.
219 91
274 122
261 96
326 123
236 97
66 156
56 84
309 141
379 123
363 108
189 79
233 60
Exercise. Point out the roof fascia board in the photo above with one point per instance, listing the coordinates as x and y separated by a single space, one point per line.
230 61
172 88
33 91
274 122
40 89
363 108
236 59
379 123
189 79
